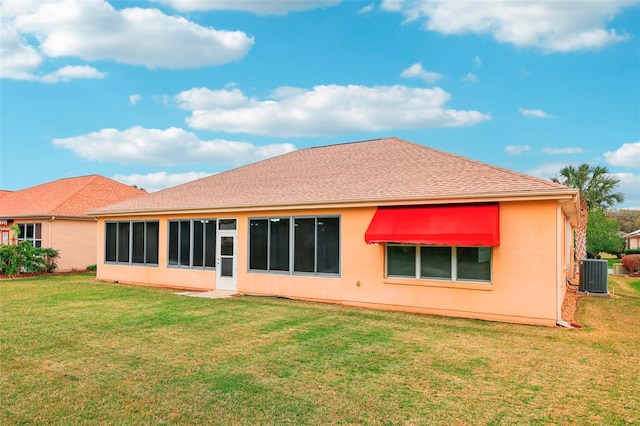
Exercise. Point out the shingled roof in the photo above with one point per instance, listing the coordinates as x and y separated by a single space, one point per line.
380 170
72 197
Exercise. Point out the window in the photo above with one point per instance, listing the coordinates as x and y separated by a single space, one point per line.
31 232
436 262
192 243
305 245
132 242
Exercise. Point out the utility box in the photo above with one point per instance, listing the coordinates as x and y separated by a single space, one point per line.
593 276
619 269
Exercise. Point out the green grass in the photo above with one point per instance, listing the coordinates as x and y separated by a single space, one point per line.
77 351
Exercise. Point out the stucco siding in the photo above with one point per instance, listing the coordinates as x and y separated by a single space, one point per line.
523 287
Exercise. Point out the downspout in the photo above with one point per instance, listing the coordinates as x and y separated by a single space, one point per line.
560 254
49 242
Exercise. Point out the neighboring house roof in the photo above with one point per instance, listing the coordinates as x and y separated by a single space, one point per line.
634 234
4 192
66 197
389 169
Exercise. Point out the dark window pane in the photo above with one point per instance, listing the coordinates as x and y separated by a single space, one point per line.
474 263
38 244
137 255
198 243
185 238
173 243
22 231
226 224
111 239
226 246
328 246
38 233
401 261
29 229
258 237
123 242
210 243
227 267
435 262
279 244
304 231
153 230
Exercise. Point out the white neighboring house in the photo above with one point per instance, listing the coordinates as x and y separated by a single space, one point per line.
633 240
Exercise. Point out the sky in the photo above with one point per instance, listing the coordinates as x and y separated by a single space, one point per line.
161 92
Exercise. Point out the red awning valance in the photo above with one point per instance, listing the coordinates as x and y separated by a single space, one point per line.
451 225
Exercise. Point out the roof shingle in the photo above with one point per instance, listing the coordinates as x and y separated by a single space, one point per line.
375 170
66 197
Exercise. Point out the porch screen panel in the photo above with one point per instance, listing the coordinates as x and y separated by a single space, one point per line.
279 244
138 243
153 236
210 244
304 245
328 246
258 243
111 240
198 243
123 242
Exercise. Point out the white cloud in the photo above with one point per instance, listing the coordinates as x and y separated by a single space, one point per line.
152 182
534 113
628 155
546 170
470 78
416 71
94 30
559 151
70 72
258 7
552 26
172 146
477 60
134 99
203 98
18 59
330 110
366 9
516 149
630 186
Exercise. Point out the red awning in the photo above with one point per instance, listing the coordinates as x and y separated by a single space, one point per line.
451 225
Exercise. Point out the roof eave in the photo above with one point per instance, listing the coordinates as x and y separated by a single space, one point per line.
558 195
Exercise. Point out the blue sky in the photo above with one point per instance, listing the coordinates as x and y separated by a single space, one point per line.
157 93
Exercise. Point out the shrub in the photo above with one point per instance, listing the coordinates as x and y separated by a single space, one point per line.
24 257
632 263
92 268
633 251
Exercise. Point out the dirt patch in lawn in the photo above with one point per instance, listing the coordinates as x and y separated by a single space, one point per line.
570 304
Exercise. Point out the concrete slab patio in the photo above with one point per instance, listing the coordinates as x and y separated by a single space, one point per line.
214 294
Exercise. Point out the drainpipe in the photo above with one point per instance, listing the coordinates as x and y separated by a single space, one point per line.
50 243
559 256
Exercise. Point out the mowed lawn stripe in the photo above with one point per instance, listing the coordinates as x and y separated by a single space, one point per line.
75 350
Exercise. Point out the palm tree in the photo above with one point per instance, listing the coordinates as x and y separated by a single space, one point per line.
596 188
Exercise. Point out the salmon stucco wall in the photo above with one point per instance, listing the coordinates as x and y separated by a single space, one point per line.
525 287
76 240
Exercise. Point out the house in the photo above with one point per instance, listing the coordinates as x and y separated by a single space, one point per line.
633 240
54 215
385 224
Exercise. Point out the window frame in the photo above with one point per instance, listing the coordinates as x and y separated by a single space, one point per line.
130 243
292 246
455 266
208 224
35 241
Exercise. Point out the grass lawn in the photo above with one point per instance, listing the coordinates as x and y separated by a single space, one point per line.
79 351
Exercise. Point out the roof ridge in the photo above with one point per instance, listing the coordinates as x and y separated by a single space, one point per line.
492 166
